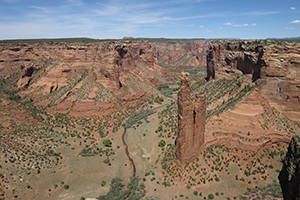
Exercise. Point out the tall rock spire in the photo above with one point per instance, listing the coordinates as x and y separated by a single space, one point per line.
191 122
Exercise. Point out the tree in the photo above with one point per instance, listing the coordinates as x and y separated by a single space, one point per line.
66 187
134 191
107 142
211 196
161 143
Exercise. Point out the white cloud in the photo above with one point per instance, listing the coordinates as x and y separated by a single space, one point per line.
221 28
42 9
292 8
238 25
208 31
228 24
289 28
295 21
201 26
260 13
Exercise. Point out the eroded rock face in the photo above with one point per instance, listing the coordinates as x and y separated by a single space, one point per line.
191 123
189 53
274 67
67 74
289 176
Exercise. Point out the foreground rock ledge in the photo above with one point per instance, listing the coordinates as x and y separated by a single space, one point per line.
191 123
289 176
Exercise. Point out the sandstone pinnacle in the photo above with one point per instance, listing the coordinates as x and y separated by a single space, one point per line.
191 122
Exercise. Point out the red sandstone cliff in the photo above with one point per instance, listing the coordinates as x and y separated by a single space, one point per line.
274 67
191 123
72 76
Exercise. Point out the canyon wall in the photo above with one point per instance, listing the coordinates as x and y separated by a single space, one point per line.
183 53
191 123
83 77
273 65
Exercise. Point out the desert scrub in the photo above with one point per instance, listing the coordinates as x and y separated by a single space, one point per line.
66 187
107 142
159 100
137 117
16 98
134 189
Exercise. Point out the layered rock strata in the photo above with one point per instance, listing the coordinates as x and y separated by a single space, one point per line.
191 123
289 176
274 66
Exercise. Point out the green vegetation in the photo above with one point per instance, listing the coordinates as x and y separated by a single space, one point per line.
161 143
103 183
211 196
159 100
163 87
16 98
166 90
118 192
66 187
137 117
107 142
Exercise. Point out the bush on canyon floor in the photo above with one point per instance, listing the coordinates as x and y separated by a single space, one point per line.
66 187
162 87
211 196
116 192
16 98
107 142
161 143
159 100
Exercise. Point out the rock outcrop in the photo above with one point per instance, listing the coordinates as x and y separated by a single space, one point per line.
191 123
273 65
289 176
184 53
67 74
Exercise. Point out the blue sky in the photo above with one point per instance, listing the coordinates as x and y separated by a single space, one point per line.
251 19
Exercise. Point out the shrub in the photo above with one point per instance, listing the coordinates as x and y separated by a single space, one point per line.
160 128
103 183
159 100
195 193
107 143
167 183
66 187
161 143
162 87
16 98
211 196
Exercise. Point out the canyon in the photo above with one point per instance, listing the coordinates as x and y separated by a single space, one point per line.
104 72
221 127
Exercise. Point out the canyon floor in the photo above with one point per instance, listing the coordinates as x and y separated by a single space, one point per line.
52 152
